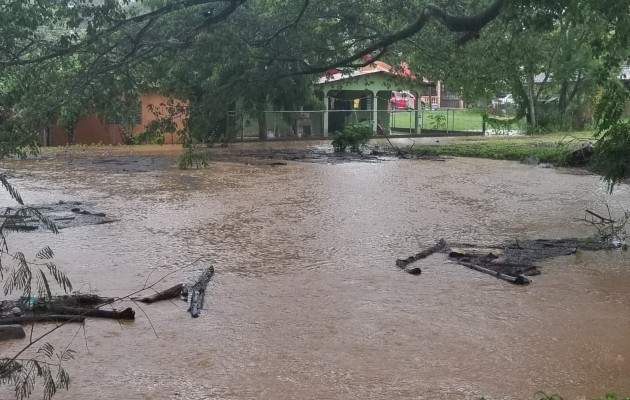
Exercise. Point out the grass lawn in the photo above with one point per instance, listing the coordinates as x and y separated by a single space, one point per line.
457 120
551 148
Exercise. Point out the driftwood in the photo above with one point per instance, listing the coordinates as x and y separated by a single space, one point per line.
61 309
603 219
475 252
169 293
28 319
438 247
517 280
75 300
518 269
8 332
127 313
197 292
511 260
482 259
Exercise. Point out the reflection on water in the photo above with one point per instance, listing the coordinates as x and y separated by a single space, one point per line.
307 303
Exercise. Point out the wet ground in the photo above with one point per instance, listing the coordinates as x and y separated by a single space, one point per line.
307 302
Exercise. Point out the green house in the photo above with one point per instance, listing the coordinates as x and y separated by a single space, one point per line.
355 96
363 96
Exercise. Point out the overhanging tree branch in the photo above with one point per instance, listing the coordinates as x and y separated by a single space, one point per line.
453 23
154 15
293 24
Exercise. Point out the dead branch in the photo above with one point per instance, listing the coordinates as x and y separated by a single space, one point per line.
169 293
29 319
517 280
439 246
196 292
127 313
599 216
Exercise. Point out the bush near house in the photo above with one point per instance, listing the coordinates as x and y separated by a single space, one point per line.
353 136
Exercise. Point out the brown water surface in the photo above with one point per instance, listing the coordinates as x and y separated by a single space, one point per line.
306 302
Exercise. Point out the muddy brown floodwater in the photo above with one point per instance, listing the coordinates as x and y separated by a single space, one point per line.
307 303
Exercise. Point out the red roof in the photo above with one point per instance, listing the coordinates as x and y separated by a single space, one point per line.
375 67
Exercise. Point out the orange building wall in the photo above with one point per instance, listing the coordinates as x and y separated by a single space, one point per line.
93 130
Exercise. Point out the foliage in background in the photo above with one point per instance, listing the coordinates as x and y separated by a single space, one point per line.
543 53
437 121
612 153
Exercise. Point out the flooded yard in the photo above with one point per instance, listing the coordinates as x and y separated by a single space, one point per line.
306 301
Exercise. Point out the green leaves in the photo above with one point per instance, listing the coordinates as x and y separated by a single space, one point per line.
45 367
354 136
11 190
20 277
610 106
45 254
612 153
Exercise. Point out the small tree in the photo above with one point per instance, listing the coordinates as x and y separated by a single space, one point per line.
68 119
125 113
30 279
612 152
354 136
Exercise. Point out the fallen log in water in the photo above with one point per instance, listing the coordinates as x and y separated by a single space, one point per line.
441 245
197 292
127 313
8 332
78 300
512 260
28 319
475 252
517 269
517 280
169 293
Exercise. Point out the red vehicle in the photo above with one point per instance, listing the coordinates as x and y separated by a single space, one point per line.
403 100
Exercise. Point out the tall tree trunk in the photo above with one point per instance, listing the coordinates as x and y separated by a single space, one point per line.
70 133
579 119
262 126
563 100
532 100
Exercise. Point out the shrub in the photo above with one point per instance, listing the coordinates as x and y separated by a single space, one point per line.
353 136
611 158
438 122
192 157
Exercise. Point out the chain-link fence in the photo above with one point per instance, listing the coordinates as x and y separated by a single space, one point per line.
436 120
322 123
280 124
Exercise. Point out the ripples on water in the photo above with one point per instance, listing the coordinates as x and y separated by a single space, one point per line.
306 302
